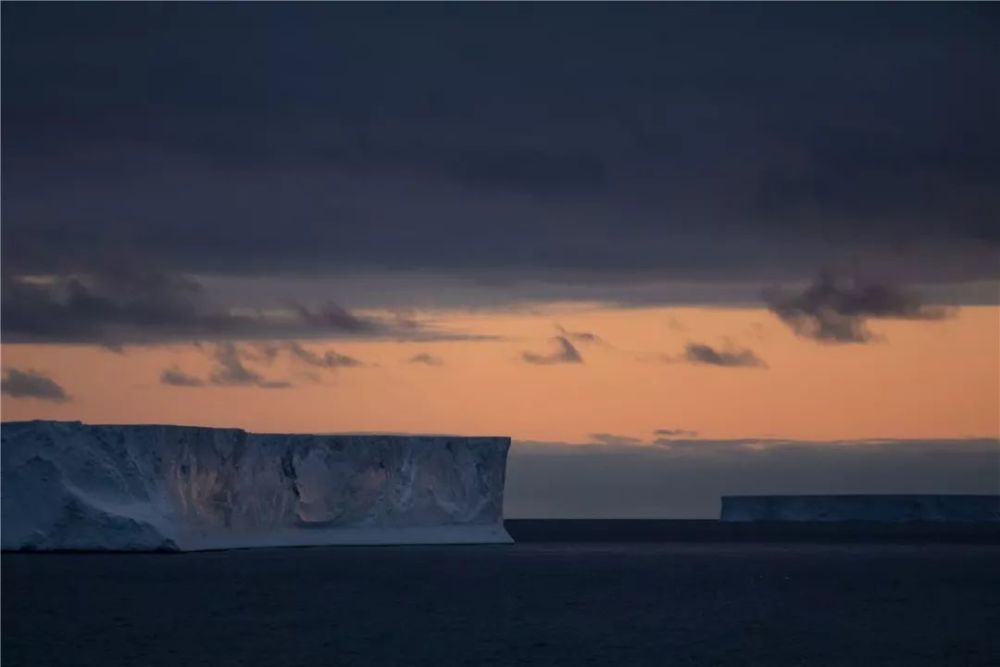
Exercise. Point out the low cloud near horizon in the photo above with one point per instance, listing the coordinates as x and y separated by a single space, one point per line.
684 479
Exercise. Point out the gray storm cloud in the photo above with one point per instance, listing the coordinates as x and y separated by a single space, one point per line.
529 167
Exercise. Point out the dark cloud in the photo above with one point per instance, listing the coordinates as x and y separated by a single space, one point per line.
565 354
334 317
267 352
535 171
328 359
426 359
230 371
492 146
119 306
613 439
104 307
686 481
675 433
175 377
835 310
699 353
264 352
32 384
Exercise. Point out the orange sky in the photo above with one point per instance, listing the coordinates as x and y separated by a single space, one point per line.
920 380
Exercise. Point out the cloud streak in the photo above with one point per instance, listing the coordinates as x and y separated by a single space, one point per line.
566 353
175 377
328 359
675 433
614 439
579 336
426 359
126 305
699 353
231 372
32 384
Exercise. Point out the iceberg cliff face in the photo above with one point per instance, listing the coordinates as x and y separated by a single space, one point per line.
67 485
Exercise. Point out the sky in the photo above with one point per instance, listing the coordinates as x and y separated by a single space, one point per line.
673 250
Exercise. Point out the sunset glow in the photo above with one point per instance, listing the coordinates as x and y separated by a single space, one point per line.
918 381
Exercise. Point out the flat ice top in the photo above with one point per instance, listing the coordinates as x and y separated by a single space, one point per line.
283 434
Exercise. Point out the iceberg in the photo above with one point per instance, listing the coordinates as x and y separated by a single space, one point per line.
74 486
862 507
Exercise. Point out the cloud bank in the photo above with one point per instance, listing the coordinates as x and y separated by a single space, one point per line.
124 305
685 478
529 167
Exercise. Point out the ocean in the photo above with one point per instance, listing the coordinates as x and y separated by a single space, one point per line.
555 603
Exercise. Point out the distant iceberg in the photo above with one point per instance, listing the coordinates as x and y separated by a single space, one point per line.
73 486
870 507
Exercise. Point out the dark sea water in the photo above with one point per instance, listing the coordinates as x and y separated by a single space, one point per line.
524 604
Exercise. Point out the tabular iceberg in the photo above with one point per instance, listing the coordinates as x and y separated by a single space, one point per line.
888 508
68 485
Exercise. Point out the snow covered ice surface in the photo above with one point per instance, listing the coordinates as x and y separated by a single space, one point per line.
68 485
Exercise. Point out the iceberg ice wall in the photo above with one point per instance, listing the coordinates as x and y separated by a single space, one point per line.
67 485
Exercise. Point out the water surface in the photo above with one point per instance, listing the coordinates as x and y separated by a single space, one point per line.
524 604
